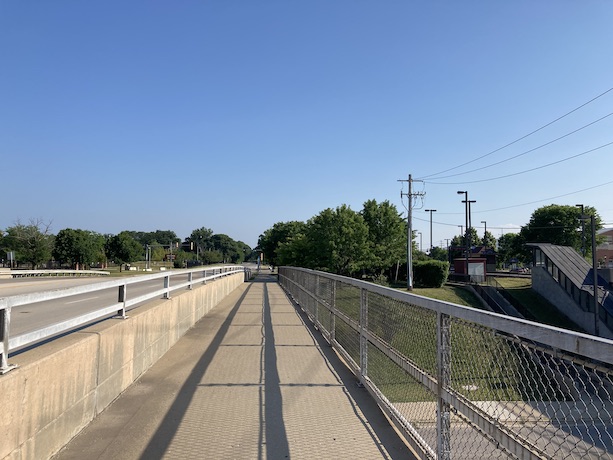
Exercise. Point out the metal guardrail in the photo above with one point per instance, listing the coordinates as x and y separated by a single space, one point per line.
462 383
8 343
37 273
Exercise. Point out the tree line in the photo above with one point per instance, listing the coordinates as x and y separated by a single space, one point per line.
34 244
372 242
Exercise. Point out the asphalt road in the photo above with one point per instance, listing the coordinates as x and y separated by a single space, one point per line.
30 317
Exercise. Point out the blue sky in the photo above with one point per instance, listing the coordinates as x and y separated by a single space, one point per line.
234 115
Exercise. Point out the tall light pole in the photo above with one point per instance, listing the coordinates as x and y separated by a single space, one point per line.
431 211
582 229
484 233
467 232
594 273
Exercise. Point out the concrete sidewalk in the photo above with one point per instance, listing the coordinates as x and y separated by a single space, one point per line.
249 381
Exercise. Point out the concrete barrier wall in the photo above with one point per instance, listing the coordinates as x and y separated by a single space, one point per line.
61 386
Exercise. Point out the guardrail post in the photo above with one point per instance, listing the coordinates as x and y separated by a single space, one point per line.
333 314
121 297
317 297
443 413
5 322
190 278
167 286
363 329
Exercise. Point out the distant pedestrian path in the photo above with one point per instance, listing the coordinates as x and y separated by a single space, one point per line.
249 381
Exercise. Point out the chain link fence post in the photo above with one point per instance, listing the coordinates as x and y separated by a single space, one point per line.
363 337
443 413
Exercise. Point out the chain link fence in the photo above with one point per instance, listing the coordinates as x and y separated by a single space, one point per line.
462 383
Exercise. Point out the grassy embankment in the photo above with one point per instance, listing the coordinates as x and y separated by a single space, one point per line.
485 366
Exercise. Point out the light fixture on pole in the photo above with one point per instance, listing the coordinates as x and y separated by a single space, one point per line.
431 211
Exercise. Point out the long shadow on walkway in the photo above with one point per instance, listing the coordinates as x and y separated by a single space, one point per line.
373 419
163 436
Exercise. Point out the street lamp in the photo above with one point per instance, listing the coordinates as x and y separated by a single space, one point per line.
594 273
460 192
431 211
582 229
484 233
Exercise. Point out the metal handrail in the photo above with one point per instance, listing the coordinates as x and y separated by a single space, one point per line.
443 372
8 343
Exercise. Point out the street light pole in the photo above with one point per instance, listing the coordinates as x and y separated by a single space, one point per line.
582 229
466 234
484 233
431 211
594 274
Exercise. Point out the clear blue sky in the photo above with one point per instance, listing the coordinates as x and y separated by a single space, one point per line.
234 115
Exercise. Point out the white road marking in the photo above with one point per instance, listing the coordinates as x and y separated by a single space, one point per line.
81 300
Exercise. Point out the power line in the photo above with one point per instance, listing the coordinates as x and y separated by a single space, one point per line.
521 138
525 171
516 205
527 151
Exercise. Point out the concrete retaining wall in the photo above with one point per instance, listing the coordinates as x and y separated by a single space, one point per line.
61 386
545 285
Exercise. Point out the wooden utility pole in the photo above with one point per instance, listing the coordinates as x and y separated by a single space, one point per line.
410 196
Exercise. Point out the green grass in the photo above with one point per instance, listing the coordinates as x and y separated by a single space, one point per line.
485 365
452 294
542 310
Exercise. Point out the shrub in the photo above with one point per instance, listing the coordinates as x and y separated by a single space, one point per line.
430 273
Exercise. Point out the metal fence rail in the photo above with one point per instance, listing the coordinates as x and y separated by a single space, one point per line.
462 383
169 281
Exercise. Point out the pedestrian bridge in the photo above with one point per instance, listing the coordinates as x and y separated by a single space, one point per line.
405 377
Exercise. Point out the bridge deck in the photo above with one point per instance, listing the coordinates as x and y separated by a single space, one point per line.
249 381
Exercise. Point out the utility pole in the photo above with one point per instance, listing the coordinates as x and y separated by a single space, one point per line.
410 196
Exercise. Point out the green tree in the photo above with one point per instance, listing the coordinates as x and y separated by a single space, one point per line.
489 241
386 235
458 243
158 253
244 250
202 239
124 249
164 237
559 225
441 254
280 233
293 252
31 243
337 241
227 247
509 247
79 248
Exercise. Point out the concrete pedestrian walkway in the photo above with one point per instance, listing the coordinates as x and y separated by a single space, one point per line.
250 381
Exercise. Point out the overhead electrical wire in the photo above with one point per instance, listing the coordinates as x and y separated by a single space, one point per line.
515 205
520 138
526 152
525 171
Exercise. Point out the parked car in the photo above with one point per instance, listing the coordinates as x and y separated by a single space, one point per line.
519 270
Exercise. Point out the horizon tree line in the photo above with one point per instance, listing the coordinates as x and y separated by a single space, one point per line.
34 244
